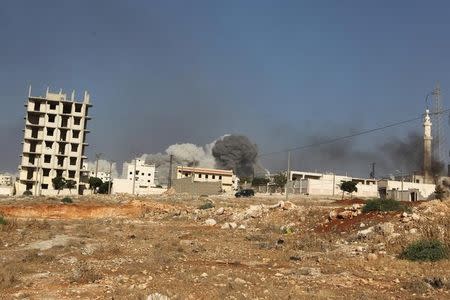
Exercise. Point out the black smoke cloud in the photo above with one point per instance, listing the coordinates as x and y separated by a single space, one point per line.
236 152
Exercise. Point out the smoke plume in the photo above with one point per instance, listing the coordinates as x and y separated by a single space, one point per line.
237 153
103 166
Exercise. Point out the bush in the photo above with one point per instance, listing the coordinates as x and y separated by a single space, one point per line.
384 205
2 220
206 205
27 193
67 200
425 250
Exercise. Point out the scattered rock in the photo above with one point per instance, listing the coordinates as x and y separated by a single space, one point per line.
346 214
157 296
362 234
333 215
240 281
372 256
385 229
210 222
59 240
309 271
220 211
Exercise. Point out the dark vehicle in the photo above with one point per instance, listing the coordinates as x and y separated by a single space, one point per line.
245 193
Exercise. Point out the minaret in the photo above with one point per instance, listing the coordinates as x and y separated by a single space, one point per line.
427 148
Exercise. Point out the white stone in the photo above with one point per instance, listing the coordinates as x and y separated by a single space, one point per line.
210 222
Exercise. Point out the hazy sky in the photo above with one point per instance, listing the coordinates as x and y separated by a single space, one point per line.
280 72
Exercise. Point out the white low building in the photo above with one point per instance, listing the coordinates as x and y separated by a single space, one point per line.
137 178
227 178
328 184
405 190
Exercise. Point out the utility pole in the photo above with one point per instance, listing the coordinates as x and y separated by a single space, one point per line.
169 185
97 157
110 177
288 177
134 175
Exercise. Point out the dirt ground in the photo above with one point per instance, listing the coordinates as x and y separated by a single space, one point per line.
119 247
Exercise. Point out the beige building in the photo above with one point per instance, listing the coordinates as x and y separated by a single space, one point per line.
6 180
227 178
54 142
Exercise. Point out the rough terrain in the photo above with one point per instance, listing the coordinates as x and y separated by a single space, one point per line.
120 247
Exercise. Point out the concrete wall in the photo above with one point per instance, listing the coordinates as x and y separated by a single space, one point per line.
125 186
185 185
329 187
393 189
6 190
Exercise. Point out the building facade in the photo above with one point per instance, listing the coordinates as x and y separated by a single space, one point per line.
6 180
228 180
329 184
54 142
138 178
406 190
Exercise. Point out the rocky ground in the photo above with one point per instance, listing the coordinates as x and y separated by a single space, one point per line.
176 247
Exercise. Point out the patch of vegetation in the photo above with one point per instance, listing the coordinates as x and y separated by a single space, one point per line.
67 200
384 205
2 220
27 193
206 205
425 250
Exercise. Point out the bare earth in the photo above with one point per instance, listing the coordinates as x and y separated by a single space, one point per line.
120 247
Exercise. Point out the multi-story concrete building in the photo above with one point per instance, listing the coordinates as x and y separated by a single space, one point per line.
54 142
139 178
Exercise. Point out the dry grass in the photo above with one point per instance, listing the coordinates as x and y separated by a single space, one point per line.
437 229
8 276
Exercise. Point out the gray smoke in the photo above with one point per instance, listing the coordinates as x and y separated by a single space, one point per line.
237 153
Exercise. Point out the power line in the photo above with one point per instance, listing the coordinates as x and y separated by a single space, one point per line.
352 135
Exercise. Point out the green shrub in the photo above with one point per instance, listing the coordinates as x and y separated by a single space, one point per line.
27 193
384 205
2 220
67 200
206 205
425 250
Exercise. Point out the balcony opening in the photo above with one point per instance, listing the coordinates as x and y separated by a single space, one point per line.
46 172
64 121
47 159
71 174
52 105
44 186
78 107
30 174
31 159
59 173
76 121
50 131
33 119
51 118
34 133
73 161
37 106
60 161
67 108
62 148
63 135
48 145
33 147
29 186
75 134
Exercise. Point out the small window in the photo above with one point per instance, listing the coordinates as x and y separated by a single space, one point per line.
71 174
131 173
47 159
51 118
74 147
73 161
137 172
206 176
46 172
77 121
75 134
50 131
199 175
52 106
142 174
48 144
78 107
149 174
44 186
220 177
214 177
148 180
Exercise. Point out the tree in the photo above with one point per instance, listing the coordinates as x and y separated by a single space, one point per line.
103 188
95 183
259 181
280 180
71 184
59 183
439 192
349 187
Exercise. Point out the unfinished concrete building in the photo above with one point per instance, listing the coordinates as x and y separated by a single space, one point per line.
54 142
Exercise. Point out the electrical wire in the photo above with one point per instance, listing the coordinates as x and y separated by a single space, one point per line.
352 135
